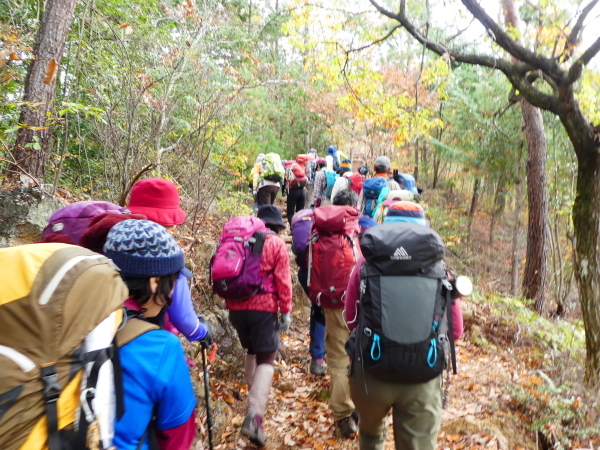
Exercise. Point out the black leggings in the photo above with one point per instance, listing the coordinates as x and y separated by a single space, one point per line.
295 202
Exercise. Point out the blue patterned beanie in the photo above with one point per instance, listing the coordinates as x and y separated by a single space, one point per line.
143 249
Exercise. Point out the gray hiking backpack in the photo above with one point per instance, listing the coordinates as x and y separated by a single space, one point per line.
401 334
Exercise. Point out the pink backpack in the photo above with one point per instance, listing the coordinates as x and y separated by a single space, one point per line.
235 266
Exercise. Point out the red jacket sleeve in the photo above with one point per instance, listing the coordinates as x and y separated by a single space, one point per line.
351 307
276 255
178 438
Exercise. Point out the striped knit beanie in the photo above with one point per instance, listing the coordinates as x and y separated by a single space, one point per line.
405 211
143 249
346 165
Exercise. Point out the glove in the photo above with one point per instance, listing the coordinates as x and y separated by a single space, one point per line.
207 340
284 324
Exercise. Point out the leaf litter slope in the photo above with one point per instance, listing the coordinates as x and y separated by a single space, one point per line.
477 415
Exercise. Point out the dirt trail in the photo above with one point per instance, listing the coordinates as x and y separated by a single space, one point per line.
298 416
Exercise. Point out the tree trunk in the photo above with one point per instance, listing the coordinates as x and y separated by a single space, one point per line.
586 225
586 221
473 207
497 208
534 279
514 288
39 91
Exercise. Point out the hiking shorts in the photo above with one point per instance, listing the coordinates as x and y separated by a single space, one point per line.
258 330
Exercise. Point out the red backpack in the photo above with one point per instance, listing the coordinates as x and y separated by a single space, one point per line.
332 253
296 176
355 182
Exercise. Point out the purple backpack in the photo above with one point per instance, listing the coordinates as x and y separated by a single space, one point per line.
301 226
235 266
72 220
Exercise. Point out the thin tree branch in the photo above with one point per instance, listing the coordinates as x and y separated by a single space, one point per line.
577 67
575 36
375 42
516 72
137 176
480 60
507 43
459 32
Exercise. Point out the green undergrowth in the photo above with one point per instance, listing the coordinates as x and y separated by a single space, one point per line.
556 334
552 400
234 203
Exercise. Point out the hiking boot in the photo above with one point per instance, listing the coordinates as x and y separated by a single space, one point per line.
346 428
253 429
317 368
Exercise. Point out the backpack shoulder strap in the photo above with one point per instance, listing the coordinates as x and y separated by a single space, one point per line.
133 328
259 240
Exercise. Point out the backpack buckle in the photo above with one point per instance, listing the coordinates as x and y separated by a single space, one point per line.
51 387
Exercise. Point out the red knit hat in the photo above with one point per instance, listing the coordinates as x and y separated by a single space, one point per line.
157 199
94 237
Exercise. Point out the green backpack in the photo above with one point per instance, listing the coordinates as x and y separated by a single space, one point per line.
272 168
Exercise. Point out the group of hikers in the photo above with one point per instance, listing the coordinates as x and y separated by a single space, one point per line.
384 310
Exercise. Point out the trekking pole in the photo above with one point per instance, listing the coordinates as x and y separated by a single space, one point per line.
209 423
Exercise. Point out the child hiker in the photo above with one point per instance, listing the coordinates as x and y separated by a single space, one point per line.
158 394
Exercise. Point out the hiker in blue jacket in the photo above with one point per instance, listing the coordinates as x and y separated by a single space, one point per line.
158 394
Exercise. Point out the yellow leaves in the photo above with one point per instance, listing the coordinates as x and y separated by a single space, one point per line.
51 71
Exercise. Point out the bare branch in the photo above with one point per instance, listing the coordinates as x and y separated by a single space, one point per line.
438 48
511 46
577 67
459 32
265 83
516 72
575 36
375 42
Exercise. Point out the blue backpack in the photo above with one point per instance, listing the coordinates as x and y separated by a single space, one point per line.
330 177
407 181
372 190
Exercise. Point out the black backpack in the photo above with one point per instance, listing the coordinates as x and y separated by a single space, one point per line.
401 333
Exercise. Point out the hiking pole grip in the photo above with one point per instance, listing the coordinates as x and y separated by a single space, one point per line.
209 423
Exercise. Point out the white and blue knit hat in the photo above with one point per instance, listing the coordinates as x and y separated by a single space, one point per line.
141 248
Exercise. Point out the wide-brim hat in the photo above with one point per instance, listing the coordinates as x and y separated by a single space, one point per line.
158 200
271 215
